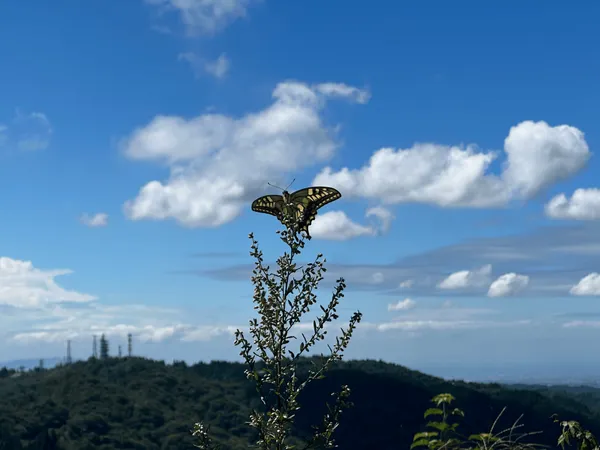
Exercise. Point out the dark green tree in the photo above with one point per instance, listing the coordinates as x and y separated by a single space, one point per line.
46 440
9 441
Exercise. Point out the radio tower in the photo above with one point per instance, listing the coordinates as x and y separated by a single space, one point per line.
69 360
129 344
95 348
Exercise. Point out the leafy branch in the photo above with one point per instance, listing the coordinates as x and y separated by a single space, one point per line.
281 299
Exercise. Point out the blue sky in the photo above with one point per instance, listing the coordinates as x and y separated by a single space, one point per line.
134 135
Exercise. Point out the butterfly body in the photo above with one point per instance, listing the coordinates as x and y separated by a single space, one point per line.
301 205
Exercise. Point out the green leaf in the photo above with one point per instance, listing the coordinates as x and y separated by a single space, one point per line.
420 443
425 434
443 399
442 426
432 411
458 412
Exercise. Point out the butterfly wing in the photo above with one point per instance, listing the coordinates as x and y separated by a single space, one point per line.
269 204
308 201
315 197
305 218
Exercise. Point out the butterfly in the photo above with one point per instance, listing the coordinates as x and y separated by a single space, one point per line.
301 205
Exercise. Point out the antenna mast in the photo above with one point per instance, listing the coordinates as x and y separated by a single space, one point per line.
69 360
95 348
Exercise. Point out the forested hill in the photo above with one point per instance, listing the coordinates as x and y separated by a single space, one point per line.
136 403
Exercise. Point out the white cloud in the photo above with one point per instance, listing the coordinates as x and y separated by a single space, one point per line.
384 217
467 278
377 278
415 325
539 155
207 333
58 323
336 225
451 176
584 204
219 163
217 68
145 323
24 286
402 305
345 91
406 284
35 337
34 131
97 220
190 333
146 333
204 16
508 284
588 285
27 132
582 323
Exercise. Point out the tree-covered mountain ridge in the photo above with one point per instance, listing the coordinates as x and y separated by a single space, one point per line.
138 403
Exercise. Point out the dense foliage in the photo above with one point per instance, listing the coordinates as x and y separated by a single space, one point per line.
143 404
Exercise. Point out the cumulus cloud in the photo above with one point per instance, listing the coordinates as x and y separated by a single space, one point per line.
467 278
537 155
588 285
402 305
508 284
24 286
204 17
200 66
584 204
406 284
219 163
97 220
336 225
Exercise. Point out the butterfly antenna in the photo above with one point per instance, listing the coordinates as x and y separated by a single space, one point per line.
272 185
288 186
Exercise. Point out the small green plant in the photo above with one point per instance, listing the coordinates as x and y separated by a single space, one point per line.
573 433
281 300
443 434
